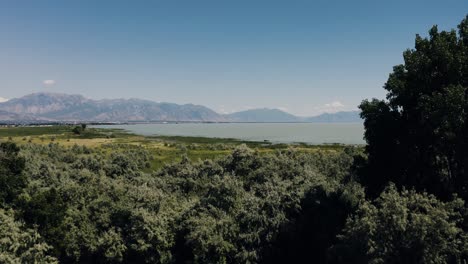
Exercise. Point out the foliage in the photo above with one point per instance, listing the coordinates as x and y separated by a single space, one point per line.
77 130
418 137
11 166
313 229
404 227
102 205
19 244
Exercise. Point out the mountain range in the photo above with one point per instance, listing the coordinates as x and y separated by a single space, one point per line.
57 107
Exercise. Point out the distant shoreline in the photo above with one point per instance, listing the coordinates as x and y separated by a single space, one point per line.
93 123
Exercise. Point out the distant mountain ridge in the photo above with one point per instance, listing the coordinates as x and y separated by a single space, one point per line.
57 107
262 115
64 107
276 115
337 117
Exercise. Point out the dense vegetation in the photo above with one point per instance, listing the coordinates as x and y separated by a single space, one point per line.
91 205
418 137
400 200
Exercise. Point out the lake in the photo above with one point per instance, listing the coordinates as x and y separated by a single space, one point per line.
311 133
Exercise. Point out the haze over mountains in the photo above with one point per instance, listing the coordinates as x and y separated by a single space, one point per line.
56 107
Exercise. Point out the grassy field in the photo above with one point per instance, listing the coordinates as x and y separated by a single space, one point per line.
164 149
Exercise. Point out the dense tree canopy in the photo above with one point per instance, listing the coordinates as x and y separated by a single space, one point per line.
404 227
102 205
19 244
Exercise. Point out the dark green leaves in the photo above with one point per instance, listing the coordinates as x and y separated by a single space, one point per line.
418 137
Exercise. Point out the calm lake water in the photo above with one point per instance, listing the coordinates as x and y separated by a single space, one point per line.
312 133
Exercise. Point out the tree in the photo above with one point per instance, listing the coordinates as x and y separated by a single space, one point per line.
77 130
403 227
19 244
309 233
46 210
419 136
11 167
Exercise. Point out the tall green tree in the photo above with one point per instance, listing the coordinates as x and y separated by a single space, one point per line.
419 136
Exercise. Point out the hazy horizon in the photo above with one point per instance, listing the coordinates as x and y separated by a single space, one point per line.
300 57
2 100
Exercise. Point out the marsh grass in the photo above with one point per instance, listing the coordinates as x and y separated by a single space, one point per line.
164 149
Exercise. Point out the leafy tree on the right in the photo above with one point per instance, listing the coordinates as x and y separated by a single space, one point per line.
403 227
418 137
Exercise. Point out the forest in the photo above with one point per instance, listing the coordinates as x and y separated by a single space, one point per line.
398 199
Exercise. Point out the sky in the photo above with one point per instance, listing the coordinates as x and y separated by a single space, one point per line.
304 57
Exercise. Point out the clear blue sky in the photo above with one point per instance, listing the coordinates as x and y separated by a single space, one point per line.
303 56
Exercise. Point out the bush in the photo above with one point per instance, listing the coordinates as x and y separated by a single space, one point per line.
404 227
19 244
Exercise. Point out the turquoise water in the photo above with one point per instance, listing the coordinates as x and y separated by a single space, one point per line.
312 133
